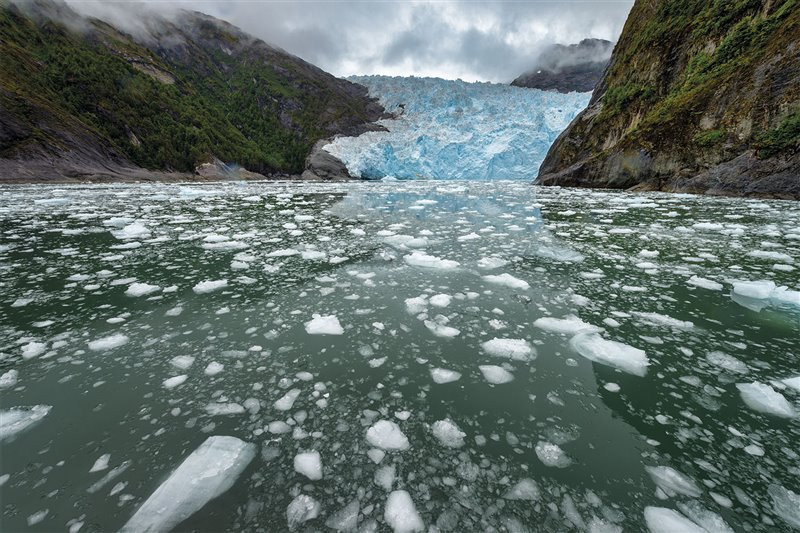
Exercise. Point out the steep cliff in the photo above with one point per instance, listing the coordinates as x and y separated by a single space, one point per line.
699 96
576 67
79 97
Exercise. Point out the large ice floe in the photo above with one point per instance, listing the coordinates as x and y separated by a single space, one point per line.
209 471
457 130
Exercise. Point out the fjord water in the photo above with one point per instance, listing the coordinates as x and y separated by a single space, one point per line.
464 355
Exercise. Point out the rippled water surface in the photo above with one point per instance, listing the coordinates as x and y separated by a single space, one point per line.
465 356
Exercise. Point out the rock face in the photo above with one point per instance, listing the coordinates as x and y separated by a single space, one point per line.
80 98
577 67
698 97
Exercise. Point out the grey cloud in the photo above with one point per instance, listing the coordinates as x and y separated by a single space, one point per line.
492 41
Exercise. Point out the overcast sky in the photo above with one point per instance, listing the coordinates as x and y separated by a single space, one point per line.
468 39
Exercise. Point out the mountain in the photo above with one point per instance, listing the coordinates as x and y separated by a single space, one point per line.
577 67
700 96
81 98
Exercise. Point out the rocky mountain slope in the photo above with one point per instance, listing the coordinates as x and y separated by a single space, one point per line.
577 67
700 96
81 98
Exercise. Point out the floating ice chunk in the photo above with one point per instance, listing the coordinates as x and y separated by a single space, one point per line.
726 362
657 319
141 289
552 455
302 509
443 375
21 302
345 519
448 433
785 504
137 230
507 280
406 241
758 290
208 472
496 375
401 514
525 489
386 435
792 383
595 348
224 409
673 482
101 463
515 349
704 283
441 330
761 397
279 427
182 361
708 520
285 402
611 387
421 259
384 477
9 379
663 520
210 286
415 306
171 383
783 296
441 300
490 263
570 325
309 464
108 343
771 255
33 349
324 325
468 237
17 419
213 368
283 253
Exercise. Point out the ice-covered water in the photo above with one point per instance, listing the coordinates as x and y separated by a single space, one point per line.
457 130
469 356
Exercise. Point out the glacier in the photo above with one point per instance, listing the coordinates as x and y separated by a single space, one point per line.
456 130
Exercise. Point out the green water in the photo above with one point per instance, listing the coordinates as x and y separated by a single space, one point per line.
288 251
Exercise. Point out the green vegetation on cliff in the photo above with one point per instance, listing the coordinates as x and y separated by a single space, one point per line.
189 91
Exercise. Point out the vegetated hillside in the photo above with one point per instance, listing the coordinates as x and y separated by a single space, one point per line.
700 96
80 97
577 67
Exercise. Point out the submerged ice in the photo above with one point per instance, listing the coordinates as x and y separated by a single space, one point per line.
457 130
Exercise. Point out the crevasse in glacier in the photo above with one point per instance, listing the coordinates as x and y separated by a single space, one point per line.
457 130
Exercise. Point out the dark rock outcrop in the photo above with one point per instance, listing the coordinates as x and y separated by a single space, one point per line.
321 165
577 67
699 97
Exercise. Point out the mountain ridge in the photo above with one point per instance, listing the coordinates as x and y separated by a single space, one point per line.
566 68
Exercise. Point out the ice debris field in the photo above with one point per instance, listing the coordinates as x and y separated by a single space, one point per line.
447 129
408 356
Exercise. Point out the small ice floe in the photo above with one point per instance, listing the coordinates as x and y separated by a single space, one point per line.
439 327
224 409
763 398
704 283
10 378
385 476
286 402
302 509
496 375
663 520
417 305
440 300
308 464
622 356
175 381
448 433
141 289
785 504
387 435
324 325
401 513
136 230
756 295
726 362
514 349
552 455
101 463
208 472
441 376
507 280
17 419
671 482
33 349
491 262
421 259
108 343
207 286
525 489
213 368
346 518
569 325
182 361
656 319
406 241
792 383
